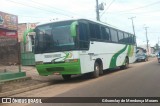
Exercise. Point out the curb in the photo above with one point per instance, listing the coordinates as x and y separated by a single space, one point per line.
17 91
16 80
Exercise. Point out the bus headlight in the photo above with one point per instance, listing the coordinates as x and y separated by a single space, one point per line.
71 60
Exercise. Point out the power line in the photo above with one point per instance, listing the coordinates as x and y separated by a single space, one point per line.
140 13
154 32
57 9
145 6
38 8
46 5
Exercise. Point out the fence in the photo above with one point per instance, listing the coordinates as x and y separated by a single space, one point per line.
9 58
9 49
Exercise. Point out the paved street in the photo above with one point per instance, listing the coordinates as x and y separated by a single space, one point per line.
140 80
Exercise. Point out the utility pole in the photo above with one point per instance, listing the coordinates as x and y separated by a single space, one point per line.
133 25
97 11
158 43
147 39
158 40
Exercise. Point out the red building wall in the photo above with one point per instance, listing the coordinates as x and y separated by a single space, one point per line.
9 47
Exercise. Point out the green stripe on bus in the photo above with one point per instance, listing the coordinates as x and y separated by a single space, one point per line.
114 57
131 51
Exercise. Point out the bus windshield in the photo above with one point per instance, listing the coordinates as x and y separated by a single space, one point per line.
53 38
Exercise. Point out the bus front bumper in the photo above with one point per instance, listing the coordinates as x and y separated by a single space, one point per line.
59 69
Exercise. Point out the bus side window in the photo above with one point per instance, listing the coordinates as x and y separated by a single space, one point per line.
129 39
94 31
126 38
103 33
108 34
97 30
83 35
83 32
121 37
114 36
134 39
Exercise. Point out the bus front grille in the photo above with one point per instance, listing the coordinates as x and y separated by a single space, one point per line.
55 69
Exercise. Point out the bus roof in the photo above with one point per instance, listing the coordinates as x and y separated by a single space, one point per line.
94 21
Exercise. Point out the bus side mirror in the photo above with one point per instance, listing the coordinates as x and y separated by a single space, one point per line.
73 29
25 35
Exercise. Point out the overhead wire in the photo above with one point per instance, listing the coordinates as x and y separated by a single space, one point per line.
39 8
145 6
151 4
57 9
137 8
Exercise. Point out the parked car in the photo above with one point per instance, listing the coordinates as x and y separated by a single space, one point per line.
141 55
153 55
158 57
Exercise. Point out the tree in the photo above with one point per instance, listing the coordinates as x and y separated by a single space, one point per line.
157 46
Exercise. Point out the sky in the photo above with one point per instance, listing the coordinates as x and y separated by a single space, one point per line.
116 13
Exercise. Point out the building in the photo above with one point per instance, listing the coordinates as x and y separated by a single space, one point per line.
26 37
149 50
9 48
8 38
22 28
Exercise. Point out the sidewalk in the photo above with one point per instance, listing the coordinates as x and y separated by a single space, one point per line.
32 81
31 71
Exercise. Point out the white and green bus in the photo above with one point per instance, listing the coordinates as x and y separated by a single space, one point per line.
81 46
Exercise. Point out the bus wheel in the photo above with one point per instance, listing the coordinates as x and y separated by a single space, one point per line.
126 64
66 77
96 72
101 69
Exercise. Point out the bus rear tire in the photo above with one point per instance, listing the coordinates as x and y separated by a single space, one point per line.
96 71
101 70
66 77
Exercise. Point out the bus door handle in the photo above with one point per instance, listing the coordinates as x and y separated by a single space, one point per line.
91 54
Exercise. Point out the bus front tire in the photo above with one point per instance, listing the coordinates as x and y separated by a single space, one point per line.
66 77
101 70
96 71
